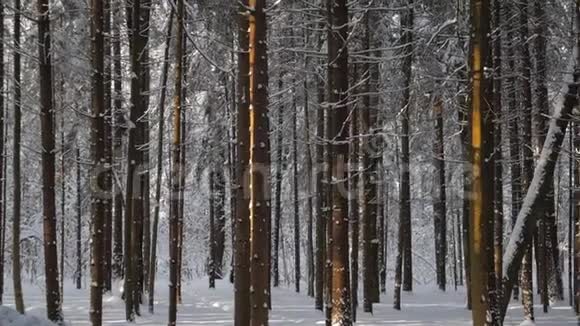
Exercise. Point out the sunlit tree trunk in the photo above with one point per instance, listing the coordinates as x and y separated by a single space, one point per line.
242 228
482 141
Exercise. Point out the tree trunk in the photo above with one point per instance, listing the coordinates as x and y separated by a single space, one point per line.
309 194
482 141
405 196
242 228
212 230
16 264
108 233
79 226
2 157
320 199
439 208
175 151
98 158
259 164
161 108
118 116
338 102
498 154
356 201
278 186
295 201
53 299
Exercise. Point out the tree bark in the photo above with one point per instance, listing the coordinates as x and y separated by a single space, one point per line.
118 116
79 226
482 141
16 264
338 104
259 164
53 298
439 208
175 151
242 228
405 196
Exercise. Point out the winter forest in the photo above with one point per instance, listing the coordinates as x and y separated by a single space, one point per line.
289 162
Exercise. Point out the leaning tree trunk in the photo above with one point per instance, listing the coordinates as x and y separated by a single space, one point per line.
53 299
163 86
533 203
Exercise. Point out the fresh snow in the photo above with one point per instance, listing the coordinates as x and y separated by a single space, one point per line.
10 317
427 306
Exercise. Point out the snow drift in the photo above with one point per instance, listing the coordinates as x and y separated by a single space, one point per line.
10 317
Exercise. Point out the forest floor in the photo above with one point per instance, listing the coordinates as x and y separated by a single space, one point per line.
202 306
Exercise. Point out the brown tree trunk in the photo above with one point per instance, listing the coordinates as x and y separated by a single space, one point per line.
175 154
338 101
482 141
242 227
98 157
53 298
16 264
320 200
259 164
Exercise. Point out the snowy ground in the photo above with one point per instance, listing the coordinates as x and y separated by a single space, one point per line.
202 306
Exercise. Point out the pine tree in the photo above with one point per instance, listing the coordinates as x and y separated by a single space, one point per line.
16 264
338 103
53 303
98 135
483 168
175 154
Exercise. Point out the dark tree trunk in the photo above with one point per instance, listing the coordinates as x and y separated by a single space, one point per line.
117 266
320 200
259 165
53 299
439 208
242 228
16 264
79 226
295 201
338 102
405 196
108 232
309 194
498 154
